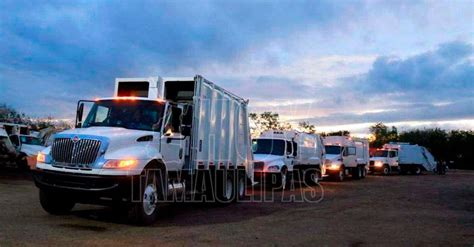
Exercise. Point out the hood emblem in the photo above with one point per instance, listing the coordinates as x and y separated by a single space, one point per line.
75 139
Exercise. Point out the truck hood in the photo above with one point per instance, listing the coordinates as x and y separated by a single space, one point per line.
31 150
267 158
333 157
113 138
378 159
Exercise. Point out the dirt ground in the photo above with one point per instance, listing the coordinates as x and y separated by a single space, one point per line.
376 211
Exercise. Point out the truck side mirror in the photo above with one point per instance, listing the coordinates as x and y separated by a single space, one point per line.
79 112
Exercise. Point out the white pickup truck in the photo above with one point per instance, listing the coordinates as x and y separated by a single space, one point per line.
346 156
157 140
281 155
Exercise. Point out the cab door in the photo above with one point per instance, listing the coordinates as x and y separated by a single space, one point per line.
172 141
393 158
289 156
349 156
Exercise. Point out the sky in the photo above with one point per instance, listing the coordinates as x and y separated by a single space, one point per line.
337 64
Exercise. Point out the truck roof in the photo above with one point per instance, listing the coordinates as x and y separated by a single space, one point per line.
153 87
338 140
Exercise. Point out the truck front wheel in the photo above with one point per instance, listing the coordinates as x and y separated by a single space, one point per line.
145 211
386 170
341 174
55 203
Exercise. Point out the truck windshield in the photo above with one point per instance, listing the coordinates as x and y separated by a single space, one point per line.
30 140
268 146
381 153
129 114
333 149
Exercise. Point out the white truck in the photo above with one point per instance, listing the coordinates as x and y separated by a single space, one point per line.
157 140
402 157
280 155
24 146
346 156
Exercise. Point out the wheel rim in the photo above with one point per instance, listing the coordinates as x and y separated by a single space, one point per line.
385 170
341 175
241 187
149 199
418 170
314 177
360 172
228 189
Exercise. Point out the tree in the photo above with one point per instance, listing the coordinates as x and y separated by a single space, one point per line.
267 121
307 127
337 133
382 134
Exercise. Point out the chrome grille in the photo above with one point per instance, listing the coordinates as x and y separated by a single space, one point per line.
81 153
258 166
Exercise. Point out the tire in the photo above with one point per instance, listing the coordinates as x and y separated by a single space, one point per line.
145 211
55 203
226 188
364 172
357 172
386 170
312 176
416 170
341 175
241 186
282 179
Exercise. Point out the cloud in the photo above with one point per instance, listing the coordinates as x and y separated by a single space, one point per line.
330 61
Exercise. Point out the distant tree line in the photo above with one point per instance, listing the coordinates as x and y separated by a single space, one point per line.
9 114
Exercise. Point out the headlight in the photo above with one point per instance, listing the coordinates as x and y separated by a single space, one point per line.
378 164
273 168
120 164
333 166
43 158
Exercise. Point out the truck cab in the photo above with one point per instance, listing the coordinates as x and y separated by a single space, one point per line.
384 161
156 138
342 158
282 155
273 160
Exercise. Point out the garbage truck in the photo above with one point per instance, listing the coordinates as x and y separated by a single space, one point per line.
283 155
346 156
402 157
158 140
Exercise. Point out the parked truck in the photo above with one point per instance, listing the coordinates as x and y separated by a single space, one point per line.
18 147
346 156
156 139
280 155
402 157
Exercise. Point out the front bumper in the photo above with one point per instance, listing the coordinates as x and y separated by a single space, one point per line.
87 188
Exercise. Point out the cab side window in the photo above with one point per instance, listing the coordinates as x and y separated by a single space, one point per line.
295 149
289 148
173 120
350 151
